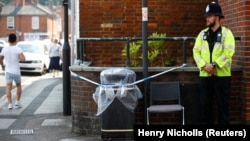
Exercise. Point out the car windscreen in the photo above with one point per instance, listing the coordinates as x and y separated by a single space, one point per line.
31 48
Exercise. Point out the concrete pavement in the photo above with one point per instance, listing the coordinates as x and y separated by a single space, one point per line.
41 117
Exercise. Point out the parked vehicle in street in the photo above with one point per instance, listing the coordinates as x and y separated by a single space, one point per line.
3 44
37 57
1 47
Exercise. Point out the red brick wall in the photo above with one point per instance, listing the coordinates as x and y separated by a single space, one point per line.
23 24
84 108
175 18
122 18
237 18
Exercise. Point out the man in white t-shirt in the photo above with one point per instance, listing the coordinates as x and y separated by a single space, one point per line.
11 56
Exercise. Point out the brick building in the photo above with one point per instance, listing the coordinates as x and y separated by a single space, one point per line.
30 20
179 18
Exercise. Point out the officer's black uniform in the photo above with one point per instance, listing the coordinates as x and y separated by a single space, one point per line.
214 87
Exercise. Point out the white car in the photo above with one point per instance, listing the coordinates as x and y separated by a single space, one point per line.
1 47
37 57
4 43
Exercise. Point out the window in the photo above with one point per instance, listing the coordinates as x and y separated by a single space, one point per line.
35 22
10 22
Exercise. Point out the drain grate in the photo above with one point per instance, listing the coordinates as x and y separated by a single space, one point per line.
21 131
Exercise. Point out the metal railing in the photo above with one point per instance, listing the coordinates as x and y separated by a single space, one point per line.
81 45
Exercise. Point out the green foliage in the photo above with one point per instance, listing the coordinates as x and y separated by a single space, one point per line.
135 64
133 50
155 50
156 44
169 62
152 55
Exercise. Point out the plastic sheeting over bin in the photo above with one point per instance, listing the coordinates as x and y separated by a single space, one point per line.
117 83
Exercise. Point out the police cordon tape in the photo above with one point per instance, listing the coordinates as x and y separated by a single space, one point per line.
130 84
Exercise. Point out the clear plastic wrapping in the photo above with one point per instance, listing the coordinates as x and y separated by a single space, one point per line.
117 83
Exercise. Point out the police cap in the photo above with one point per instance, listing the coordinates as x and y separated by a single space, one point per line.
213 9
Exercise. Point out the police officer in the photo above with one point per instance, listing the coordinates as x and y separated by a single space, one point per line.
213 51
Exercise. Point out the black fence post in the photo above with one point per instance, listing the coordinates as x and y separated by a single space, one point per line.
66 64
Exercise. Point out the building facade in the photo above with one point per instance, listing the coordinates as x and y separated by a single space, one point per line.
30 20
179 18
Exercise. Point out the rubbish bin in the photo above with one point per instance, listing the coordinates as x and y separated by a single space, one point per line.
116 100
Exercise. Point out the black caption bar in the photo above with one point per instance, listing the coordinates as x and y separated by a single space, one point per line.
199 132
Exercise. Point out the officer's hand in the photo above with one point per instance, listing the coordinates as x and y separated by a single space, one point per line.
213 71
209 68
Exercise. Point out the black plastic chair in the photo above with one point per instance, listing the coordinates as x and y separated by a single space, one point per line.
165 97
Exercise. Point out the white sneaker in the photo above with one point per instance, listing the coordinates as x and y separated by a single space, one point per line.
10 106
18 104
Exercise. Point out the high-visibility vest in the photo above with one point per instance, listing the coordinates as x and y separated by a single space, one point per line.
221 55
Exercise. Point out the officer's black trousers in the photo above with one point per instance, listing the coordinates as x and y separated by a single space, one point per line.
214 95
